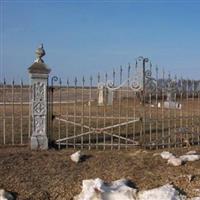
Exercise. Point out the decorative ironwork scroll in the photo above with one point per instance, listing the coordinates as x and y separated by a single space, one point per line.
136 83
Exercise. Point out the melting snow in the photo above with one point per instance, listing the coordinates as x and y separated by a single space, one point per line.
166 192
4 195
166 155
97 189
189 156
174 161
75 157
191 153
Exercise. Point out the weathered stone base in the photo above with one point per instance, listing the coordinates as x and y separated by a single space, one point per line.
39 142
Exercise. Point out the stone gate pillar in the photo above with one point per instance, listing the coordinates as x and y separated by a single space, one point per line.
39 73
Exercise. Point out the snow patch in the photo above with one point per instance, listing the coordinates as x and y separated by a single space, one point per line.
166 192
166 155
174 161
4 195
177 161
97 189
191 153
190 157
76 157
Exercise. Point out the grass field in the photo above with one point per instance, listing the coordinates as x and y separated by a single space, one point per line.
43 175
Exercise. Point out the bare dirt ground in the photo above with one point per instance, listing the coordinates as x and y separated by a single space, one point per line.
43 175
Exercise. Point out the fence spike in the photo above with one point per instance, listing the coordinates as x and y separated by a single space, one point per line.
83 80
136 64
169 76
121 69
106 76
60 81
129 66
98 77
113 72
75 81
91 78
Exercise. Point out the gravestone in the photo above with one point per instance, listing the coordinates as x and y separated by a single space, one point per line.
110 97
170 103
100 95
169 96
39 73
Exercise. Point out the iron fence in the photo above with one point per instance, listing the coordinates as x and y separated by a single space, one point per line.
15 117
119 112
133 106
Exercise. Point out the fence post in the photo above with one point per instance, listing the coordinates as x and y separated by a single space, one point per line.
39 73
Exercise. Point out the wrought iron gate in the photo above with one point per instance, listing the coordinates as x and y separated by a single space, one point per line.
116 112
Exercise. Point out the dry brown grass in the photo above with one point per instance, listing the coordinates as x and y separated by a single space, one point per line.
43 175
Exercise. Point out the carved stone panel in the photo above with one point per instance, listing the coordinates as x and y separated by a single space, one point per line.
39 125
39 91
39 108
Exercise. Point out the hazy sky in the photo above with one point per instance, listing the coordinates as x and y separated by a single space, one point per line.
86 37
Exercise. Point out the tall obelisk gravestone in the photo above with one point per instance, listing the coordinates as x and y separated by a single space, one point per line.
39 73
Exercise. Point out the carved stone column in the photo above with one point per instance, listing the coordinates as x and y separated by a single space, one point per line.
39 73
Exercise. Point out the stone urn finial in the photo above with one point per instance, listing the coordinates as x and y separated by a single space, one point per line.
39 67
40 52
